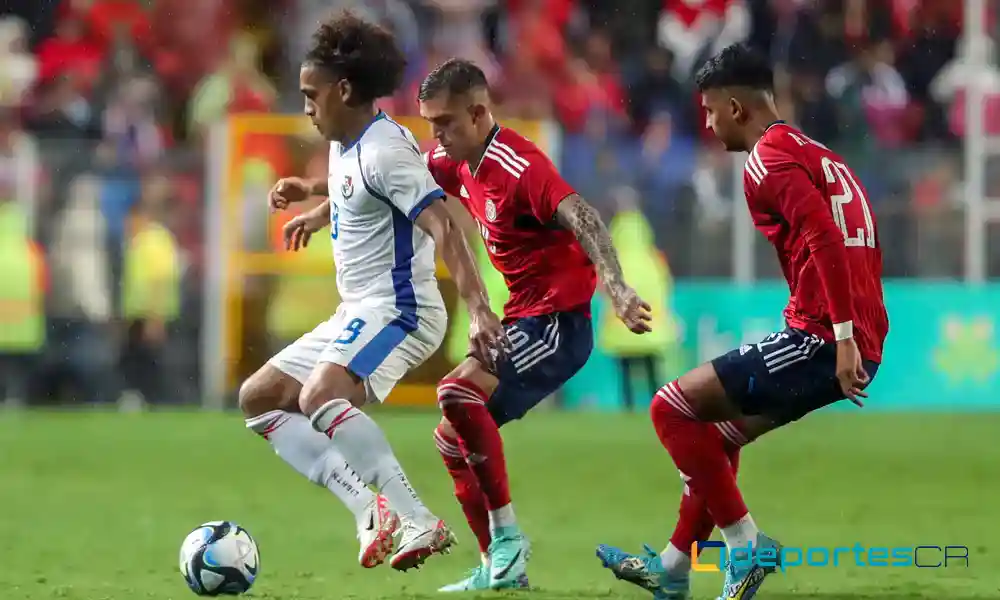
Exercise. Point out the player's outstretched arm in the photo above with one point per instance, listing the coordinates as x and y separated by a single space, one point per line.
575 214
487 331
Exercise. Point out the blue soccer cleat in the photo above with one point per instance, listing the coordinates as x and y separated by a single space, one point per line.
646 572
509 552
743 581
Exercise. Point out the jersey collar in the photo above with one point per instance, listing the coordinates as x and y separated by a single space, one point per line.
489 142
347 147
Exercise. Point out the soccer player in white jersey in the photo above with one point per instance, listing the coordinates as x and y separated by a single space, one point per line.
386 215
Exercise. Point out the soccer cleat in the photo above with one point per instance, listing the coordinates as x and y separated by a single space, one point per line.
376 532
478 579
646 572
419 542
743 581
509 552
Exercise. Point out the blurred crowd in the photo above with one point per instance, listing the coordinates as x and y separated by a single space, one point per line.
106 105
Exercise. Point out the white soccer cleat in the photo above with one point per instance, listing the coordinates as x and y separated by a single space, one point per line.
420 540
376 532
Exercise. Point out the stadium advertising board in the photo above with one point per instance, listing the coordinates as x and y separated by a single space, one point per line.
942 353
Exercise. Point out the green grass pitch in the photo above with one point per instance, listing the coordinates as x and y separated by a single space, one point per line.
95 505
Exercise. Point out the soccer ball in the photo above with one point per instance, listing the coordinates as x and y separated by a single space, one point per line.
219 558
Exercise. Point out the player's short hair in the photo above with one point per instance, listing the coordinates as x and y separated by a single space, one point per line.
455 76
363 53
738 65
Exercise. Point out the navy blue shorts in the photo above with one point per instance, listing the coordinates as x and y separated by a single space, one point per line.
785 376
546 351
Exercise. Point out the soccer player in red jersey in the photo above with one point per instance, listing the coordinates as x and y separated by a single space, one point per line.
809 204
550 246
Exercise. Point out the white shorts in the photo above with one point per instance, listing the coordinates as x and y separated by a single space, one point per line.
376 343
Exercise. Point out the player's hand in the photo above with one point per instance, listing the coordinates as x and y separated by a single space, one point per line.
850 372
298 231
288 191
487 338
635 312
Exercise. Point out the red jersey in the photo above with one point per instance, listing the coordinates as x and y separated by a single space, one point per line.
513 196
815 211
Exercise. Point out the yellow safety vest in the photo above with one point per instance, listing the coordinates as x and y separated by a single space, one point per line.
648 273
152 275
22 312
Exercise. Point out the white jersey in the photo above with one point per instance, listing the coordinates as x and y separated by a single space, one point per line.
378 187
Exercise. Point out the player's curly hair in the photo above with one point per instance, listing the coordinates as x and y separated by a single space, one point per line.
738 65
455 76
363 53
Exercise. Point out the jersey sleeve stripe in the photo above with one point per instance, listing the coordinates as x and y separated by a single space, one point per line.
512 168
509 152
424 203
749 168
755 159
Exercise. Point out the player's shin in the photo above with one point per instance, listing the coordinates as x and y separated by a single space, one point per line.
364 446
694 522
467 490
464 405
311 454
696 449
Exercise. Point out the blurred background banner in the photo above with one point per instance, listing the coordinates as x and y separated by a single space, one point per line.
138 141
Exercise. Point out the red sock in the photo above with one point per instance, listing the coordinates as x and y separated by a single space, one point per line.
464 405
467 491
695 448
694 522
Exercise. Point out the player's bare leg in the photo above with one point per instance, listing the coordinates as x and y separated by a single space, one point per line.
331 398
269 400
462 396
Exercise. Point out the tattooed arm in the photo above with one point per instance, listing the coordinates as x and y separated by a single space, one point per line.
582 219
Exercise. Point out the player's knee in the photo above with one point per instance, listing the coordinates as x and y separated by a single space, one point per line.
327 383
473 372
445 430
268 389
457 397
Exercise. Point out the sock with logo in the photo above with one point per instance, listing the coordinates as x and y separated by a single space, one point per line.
464 405
694 446
467 491
311 454
361 441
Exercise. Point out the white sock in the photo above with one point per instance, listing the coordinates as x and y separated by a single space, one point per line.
502 517
675 561
361 441
311 454
740 534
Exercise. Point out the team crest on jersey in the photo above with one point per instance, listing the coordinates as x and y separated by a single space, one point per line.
491 211
347 188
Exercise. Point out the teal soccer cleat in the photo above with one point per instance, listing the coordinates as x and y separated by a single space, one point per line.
743 580
509 552
477 579
646 572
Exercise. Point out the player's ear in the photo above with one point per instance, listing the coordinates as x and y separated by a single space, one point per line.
737 110
345 90
478 111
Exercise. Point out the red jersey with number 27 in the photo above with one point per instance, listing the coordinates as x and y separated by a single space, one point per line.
513 195
810 205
